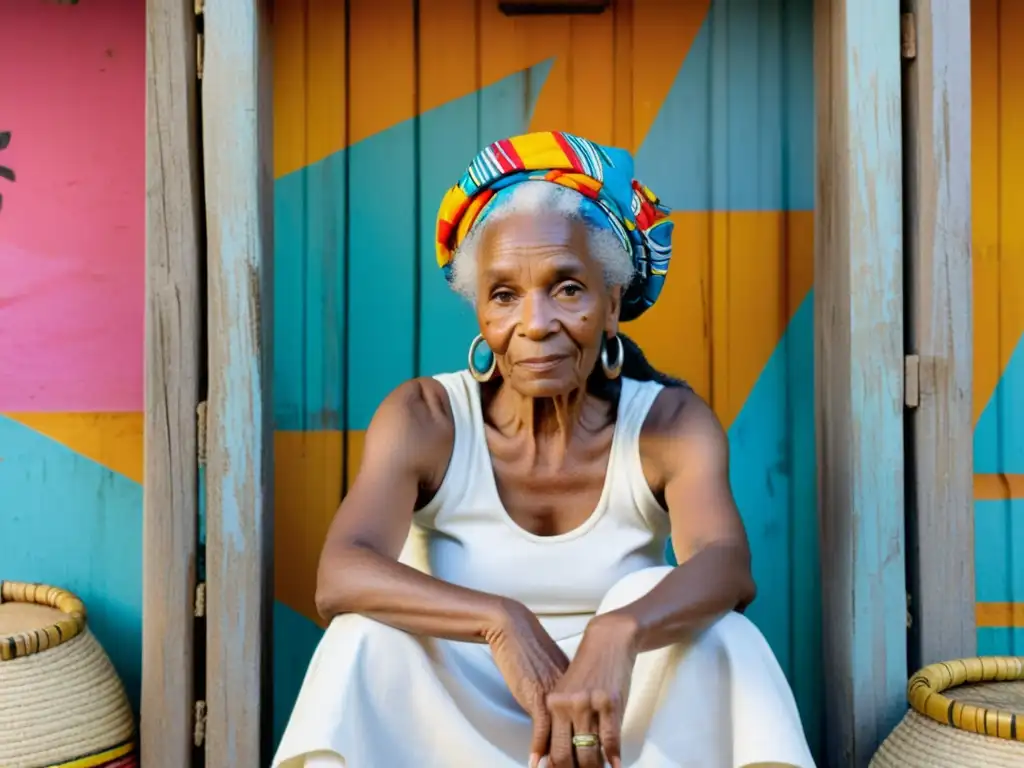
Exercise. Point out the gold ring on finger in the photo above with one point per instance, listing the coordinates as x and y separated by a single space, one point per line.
585 740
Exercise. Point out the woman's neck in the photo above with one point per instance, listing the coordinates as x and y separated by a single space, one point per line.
547 423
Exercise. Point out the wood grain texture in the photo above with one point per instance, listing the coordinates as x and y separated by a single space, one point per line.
237 127
937 232
172 360
858 318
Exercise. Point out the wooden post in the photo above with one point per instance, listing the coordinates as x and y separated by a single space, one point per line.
937 229
858 268
239 472
173 353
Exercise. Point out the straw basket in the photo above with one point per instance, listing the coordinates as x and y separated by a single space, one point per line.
61 703
964 714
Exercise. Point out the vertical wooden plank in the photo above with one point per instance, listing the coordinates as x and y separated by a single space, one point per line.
858 332
238 161
937 234
448 139
381 269
592 71
172 359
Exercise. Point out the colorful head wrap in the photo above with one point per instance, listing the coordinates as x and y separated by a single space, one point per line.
613 200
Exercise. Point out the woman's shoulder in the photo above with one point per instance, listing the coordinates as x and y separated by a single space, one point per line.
418 412
680 417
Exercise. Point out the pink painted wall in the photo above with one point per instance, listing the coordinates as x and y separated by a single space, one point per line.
72 224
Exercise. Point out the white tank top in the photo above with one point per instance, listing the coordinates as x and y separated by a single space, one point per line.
464 535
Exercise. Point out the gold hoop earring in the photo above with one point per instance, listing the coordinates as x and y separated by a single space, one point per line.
482 363
612 370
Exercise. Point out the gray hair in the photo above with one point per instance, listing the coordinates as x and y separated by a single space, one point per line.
534 197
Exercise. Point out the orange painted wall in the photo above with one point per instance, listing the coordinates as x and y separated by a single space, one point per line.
997 64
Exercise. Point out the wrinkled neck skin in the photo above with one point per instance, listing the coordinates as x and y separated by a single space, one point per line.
547 426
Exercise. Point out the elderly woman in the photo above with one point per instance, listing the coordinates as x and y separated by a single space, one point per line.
496 577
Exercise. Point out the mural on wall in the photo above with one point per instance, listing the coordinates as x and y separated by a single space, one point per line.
5 172
72 254
997 187
716 100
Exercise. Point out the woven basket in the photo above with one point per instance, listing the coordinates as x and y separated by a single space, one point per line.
964 714
61 702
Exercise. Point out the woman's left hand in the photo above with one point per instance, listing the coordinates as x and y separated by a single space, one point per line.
590 698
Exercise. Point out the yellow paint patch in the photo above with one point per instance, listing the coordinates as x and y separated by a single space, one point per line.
997 164
111 439
998 487
611 73
735 282
308 487
999 614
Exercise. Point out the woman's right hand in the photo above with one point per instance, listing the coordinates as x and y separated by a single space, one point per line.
532 664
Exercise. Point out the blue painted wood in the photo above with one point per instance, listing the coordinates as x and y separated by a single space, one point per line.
381 269
999 435
999 525
773 478
859 345
999 550
738 123
236 120
310 251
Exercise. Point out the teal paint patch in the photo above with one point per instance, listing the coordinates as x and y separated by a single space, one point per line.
317 286
999 435
381 269
773 476
999 550
1001 641
295 639
67 521
736 132
309 295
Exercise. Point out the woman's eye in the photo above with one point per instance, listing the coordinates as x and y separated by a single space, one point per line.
503 297
571 289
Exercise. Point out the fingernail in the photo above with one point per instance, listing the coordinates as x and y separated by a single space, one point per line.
534 760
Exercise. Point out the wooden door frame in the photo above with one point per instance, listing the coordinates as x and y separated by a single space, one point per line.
892 225
208 85
173 369
238 174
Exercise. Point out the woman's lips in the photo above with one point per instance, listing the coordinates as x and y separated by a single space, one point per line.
540 363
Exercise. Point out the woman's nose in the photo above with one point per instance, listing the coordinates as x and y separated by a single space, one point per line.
538 318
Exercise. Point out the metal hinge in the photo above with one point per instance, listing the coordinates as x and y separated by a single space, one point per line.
908 37
201 434
199 726
912 381
200 6
199 606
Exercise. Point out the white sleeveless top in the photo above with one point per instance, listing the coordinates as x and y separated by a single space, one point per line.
464 535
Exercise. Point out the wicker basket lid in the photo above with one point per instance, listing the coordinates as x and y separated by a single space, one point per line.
967 713
61 702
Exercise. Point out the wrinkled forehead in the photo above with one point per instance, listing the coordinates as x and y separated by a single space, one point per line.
534 233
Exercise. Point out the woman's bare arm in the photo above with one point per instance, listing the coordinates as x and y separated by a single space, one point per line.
408 447
691 452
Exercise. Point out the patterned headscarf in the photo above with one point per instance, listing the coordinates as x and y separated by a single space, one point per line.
613 200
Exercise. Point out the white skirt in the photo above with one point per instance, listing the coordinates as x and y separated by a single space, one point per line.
377 697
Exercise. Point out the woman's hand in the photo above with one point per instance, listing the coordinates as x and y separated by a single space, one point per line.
532 664
591 696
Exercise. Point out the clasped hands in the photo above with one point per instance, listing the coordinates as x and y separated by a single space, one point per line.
586 696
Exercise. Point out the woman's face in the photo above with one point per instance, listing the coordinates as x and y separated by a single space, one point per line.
542 304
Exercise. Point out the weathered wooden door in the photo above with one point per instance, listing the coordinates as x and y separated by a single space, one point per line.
378 109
